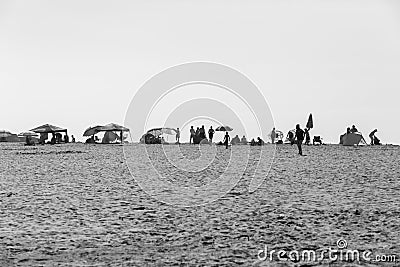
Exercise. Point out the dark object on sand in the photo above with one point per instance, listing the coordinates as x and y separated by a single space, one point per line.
317 140
151 139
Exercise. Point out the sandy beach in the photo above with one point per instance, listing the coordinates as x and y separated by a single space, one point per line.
78 205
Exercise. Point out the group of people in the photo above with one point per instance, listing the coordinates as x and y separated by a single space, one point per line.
239 141
56 138
353 129
374 139
196 136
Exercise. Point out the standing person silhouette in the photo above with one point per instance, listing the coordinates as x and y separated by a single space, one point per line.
211 134
307 134
299 138
192 133
178 135
273 135
226 140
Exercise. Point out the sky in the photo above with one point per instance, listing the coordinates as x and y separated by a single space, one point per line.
77 64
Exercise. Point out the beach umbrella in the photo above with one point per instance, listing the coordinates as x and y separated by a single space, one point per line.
310 123
160 131
224 128
5 134
91 131
28 134
47 128
113 127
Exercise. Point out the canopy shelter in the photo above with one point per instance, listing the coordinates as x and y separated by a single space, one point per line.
47 128
109 135
352 139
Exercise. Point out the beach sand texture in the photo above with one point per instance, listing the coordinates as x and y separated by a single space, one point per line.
78 205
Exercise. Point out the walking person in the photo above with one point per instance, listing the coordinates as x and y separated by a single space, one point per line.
178 135
192 133
211 134
226 140
299 138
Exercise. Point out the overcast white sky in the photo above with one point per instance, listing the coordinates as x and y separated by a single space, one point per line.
79 63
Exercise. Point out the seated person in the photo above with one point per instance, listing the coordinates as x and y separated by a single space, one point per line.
43 138
28 141
290 137
90 140
260 142
235 140
353 129
53 140
252 142
244 140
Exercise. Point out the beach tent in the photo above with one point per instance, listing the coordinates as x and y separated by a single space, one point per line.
109 136
351 139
